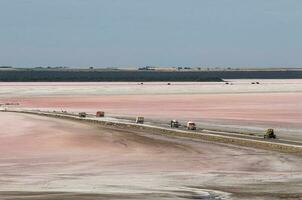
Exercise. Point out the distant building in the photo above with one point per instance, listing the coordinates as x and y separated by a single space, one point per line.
147 68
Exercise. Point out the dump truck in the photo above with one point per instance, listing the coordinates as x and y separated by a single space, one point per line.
270 134
82 114
100 114
191 125
139 120
174 124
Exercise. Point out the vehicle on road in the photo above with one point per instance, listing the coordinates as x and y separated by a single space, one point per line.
140 120
82 114
174 124
270 134
100 114
191 125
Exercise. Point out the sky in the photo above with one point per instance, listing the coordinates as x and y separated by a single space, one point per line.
117 33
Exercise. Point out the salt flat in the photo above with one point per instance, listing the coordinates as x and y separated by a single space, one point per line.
127 88
238 105
47 158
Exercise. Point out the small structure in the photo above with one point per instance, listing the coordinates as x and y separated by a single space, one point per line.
140 120
269 134
100 114
82 114
147 68
191 125
174 124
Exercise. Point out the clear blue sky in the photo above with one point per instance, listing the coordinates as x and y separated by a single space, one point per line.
151 32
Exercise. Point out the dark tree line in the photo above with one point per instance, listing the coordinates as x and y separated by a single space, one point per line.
141 76
129 76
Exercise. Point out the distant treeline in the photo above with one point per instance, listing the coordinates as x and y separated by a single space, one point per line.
127 76
141 76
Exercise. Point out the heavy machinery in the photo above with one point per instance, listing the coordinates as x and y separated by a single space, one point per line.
82 114
270 134
191 125
174 124
140 120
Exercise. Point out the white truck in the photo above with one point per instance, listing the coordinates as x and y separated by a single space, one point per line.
191 125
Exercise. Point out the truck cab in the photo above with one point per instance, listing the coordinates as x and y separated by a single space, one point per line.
191 125
174 124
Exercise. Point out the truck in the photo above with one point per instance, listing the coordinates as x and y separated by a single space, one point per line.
82 114
139 120
174 124
100 114
270 134
191 125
